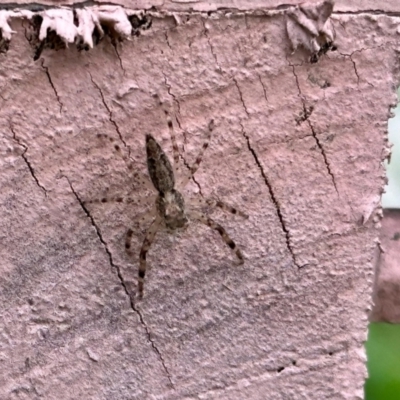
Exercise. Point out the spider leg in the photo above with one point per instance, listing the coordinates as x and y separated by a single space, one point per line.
120 199
195 166
148 240
210 202
139 220
175 148
146 216
224 235
138 176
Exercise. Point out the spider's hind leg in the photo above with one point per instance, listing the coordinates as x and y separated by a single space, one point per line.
148 240
221 230
138 222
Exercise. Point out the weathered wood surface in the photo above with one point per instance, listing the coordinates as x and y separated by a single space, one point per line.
288 324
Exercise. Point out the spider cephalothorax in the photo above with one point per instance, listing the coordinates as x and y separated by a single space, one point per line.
171 208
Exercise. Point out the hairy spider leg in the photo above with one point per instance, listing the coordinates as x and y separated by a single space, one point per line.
217 227
201 202
148 240
175 148
192 170
138 176
121 199
145 217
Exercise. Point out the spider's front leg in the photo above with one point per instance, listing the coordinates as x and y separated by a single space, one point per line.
138 178
175 149
221 230
185 180
148 240
213 203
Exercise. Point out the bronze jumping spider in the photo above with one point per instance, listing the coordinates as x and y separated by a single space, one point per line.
170 209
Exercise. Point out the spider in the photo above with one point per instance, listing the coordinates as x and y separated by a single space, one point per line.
170 209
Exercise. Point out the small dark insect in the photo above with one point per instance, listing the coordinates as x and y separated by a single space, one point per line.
170 209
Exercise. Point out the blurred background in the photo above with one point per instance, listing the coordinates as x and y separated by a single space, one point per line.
383 345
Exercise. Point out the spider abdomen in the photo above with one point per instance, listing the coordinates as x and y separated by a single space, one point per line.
159 167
